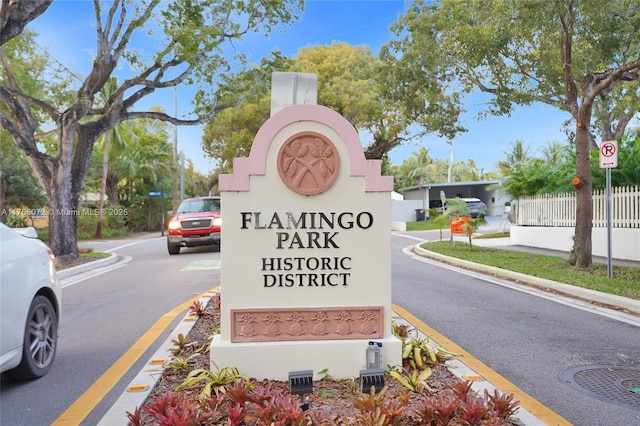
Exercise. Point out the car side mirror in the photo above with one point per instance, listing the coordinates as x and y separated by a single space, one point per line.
29 232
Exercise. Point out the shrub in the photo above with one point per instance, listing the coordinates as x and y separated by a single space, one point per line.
15 221
113 222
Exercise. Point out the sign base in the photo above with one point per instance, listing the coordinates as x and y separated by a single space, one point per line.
342 359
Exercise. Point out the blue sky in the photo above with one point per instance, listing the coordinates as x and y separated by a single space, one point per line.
66 31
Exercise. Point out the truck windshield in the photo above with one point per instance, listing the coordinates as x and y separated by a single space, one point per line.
195 206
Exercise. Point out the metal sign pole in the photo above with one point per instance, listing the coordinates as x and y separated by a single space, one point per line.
163 220
608 160
609 268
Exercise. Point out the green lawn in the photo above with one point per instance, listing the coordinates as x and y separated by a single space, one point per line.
625 281
423 225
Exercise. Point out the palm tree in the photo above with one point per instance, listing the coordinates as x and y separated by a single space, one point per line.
148 160
555 153
421 166
515 159
457 208
114 135
440 170
454 207
471 226
470 172
442 221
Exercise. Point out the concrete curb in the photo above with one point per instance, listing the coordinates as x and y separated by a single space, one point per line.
479 383
625 303
141 386
66 273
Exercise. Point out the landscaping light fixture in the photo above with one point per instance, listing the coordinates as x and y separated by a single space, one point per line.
373 355
300 383
371 377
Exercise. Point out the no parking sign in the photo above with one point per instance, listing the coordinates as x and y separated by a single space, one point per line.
608 160
609 154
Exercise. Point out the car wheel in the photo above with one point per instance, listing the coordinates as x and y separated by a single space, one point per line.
40 341
173 248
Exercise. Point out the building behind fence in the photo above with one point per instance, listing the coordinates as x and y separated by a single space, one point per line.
548 221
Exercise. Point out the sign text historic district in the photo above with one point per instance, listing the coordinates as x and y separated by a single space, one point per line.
306 230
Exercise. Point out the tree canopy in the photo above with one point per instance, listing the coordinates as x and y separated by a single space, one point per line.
577 56
189 40
421 168
230 132
349 82
18 187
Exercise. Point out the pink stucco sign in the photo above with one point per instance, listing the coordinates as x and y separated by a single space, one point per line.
255 164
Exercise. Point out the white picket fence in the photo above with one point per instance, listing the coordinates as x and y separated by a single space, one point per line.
560 209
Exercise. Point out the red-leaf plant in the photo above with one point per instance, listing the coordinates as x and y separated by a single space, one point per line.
134 418
215 407
174 409
197 308
240 392
268 406
289 410
434 411
462 390
236 415
376 409
501 404
473 410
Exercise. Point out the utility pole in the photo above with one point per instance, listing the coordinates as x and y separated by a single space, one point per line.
176 188
181 176
450 161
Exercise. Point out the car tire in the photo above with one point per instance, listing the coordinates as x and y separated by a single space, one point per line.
173 248
40 341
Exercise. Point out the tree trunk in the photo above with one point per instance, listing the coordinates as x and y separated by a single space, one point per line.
65 181
3 199
112 188
63 213
581 253
103 184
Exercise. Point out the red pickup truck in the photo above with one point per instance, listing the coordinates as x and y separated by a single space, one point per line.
196 223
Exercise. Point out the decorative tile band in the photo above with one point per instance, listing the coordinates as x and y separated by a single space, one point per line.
335 323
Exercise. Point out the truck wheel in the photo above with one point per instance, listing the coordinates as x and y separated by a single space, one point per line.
173 248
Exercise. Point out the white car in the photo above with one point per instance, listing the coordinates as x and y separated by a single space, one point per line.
476 207
30 297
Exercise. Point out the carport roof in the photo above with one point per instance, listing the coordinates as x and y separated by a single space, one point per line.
430 185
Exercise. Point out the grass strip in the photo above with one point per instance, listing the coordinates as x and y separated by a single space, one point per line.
625 281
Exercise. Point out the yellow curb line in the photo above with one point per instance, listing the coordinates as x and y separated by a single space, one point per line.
82 406
527 402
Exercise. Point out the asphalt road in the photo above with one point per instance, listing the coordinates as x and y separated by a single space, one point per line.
529 337
103 316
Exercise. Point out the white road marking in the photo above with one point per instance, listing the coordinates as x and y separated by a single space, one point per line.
75 279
